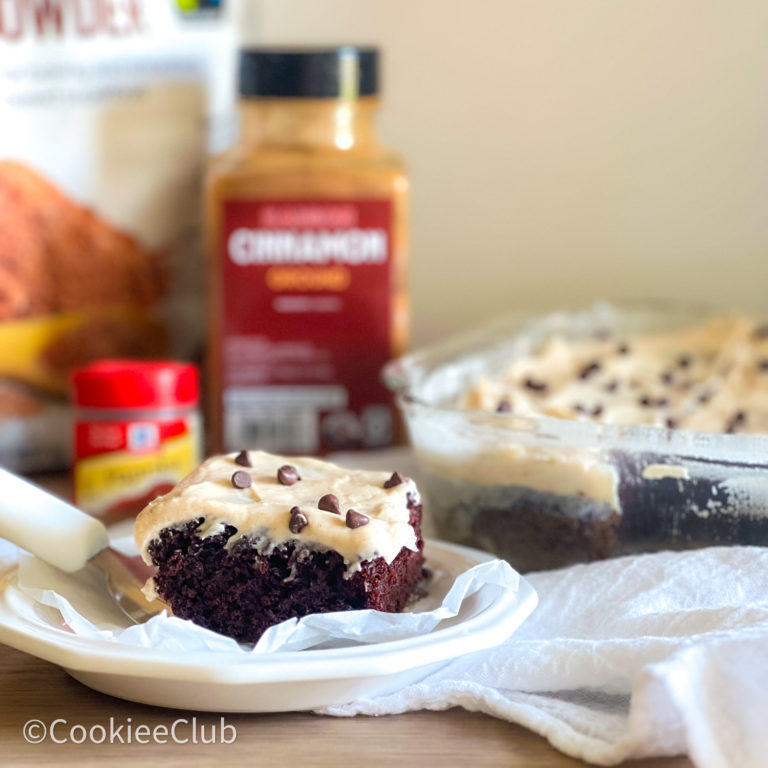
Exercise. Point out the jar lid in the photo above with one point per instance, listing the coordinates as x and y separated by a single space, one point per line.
136 384
346 71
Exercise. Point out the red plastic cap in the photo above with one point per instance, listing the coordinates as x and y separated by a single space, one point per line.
136 384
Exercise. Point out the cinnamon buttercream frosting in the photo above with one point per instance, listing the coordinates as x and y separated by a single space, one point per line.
710 377
263 509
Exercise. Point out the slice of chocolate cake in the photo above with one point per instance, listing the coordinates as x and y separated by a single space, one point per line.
251 539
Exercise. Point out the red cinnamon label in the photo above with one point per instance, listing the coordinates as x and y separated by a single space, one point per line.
307 324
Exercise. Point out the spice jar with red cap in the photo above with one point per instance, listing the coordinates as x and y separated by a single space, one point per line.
136 432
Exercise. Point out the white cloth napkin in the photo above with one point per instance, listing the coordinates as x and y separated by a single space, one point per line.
641 656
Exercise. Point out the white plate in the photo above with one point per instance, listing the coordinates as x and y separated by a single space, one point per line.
276 682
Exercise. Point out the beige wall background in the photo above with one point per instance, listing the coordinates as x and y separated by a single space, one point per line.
563 151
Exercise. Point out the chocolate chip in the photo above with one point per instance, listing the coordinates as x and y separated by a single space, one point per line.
243 459
622 349
671 423
761 332
355 519
650 402
536 385
684 361
579 408
705 397
288 475
763 364
329 503
612 386
736 421
395 479
504 406
241 479
589 369
299 520
667 377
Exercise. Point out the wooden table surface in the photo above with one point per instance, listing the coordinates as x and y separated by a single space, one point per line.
32 689
36 690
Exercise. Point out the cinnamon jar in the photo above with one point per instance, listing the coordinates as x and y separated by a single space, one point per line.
307 241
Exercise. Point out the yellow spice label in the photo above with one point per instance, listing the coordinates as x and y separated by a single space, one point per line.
112 480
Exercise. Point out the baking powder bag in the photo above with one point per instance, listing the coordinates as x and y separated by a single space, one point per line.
108 109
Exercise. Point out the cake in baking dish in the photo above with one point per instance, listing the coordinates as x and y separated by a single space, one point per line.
584 435
251 539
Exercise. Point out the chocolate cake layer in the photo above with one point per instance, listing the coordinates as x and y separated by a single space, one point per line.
240 593
531 529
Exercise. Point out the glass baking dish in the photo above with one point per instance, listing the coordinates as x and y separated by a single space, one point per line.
545 492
